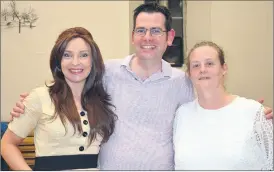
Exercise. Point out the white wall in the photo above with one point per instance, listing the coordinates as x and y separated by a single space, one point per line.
243 28
198 22
25 56
245 31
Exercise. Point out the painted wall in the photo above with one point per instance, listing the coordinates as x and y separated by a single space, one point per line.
243 28
25 56
245 31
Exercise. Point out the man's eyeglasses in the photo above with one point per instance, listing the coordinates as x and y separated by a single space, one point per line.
154 31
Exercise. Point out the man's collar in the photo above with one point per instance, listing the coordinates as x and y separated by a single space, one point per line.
166 67
127 60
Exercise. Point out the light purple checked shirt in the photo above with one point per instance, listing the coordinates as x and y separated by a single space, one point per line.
142 139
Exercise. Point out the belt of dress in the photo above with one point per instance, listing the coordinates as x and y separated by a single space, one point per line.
65 162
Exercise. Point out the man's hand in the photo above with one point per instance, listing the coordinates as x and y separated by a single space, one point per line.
267 110
19 106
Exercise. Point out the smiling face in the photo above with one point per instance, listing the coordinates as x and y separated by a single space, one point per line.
151 47
205 68
76 61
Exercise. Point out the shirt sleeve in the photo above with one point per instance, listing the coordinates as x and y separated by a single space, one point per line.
175 123
177 129
186 93
27 121
263 130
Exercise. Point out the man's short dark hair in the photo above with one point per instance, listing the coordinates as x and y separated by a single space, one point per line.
153 7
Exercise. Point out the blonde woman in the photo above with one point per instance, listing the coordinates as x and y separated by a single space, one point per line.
219 130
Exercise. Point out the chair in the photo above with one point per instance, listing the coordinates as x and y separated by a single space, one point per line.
26 147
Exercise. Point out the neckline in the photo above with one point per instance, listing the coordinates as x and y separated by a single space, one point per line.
219 109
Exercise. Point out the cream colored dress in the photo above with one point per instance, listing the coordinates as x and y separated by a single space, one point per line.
50 137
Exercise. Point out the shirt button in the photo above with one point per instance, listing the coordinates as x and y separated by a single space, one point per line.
82 113
85 122
81 148
85 134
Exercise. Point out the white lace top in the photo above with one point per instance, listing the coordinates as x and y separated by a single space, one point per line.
235 137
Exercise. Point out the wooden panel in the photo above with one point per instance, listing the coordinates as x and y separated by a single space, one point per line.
30 161
27 148
28 141
28 154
